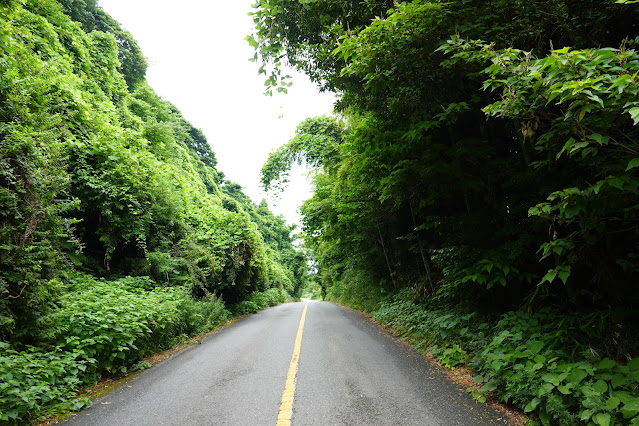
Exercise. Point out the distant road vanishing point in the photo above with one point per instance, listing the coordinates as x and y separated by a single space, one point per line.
307 363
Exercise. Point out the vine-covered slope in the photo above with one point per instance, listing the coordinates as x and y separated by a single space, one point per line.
118 234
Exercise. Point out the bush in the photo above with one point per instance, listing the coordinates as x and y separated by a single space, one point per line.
246 307
33 379
261 300
542 362
117 323
99 327
200 316
527 361
271 297
356 292
113 323
440 328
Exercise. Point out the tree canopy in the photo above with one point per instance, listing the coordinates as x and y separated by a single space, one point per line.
500 168
488 166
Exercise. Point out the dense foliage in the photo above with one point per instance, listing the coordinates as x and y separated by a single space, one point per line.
539 361
118 235
486 161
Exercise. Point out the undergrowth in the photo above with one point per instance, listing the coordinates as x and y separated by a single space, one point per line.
547 363
100 328
260 300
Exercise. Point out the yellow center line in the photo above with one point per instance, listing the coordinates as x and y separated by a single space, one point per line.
286 409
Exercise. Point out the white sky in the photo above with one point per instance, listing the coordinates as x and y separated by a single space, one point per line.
198 60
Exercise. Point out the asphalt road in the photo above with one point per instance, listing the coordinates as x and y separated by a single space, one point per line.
350 372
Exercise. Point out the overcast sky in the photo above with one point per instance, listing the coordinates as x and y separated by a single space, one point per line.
198 60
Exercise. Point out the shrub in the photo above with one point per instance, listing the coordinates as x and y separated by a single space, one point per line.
200 316
33 379
99 327
527 361
542 362
117 323
261 300
113 323
246 307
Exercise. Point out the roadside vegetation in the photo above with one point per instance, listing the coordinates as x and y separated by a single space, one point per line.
479 191
119 237
312 291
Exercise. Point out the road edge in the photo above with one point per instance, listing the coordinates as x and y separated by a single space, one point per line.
461 375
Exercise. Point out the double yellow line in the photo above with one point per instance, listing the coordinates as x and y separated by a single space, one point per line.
286 408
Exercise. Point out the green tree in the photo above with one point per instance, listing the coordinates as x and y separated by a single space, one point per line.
442 188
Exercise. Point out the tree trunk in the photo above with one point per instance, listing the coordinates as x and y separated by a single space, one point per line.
421 249
388 265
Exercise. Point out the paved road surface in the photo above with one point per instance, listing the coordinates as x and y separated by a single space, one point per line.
350 372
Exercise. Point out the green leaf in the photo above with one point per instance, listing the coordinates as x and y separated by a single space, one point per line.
550 276
619 381
489 387
615 182
586 414
612 403
621 82
252 42
532 405
634 114
576 376
600 386
12 414
606 364
565 389
545 389
597 186
578 146
624 396
601 140
633 163
602 419
633 365
630 408
564 273
551 378
567 147
535 346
